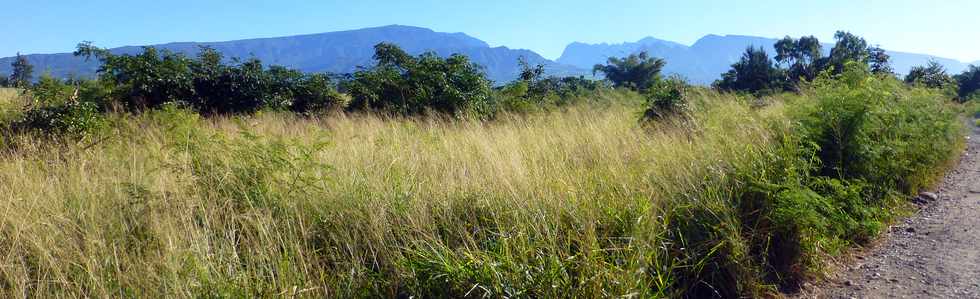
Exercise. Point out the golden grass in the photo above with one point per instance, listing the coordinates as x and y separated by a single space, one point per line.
8 94
9 101
356 205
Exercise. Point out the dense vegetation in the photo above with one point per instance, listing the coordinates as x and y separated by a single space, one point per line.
193 177
800 61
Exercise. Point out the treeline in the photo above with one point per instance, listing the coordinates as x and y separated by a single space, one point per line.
403 84
801 60
399 84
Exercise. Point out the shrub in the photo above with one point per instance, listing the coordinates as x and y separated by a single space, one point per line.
533 91
666 98
240 89
94 91
316 92
147 80
855 144
410 85
155 78
57 109
932 75
874 129
969 83
754 73
51 91
74 119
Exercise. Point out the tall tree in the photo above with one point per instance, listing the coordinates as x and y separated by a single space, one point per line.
637 71
880 61
849 47
23 72
800 56
754 72
932 75
412 85
969 82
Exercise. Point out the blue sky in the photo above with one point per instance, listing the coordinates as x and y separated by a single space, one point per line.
948 28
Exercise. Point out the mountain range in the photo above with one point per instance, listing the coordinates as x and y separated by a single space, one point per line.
335 52
712 55
347 51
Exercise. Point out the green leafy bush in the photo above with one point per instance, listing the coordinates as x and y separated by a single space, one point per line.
154 78
147 80
316 92
666 98
75 119
245 88
51 91
754 73
409 85
932 75
533 91
857 144
56 109
969 83
874 129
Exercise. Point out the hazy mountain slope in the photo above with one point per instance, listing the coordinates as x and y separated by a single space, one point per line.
706 59
345 51
338 52
582 55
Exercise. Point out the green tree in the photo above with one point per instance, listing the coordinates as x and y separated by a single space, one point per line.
316 92
23 72
849 47
969 81
666 98
800 56
933 75
637 71
153 78
50 91
146 80
530 73
880 61
410 85
754 72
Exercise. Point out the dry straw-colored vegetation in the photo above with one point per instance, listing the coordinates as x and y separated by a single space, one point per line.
582 202
11 101
277 204
9 96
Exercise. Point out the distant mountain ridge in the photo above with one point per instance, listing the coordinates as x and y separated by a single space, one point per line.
335 52
346 51
706 59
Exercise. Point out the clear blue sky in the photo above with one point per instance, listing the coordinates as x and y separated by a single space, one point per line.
949 28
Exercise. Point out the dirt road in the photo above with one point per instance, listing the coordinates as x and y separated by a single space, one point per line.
934 254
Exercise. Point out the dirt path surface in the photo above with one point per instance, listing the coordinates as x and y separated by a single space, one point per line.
934 254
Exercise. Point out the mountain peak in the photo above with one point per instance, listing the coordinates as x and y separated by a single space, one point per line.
711 55
649 40
334 52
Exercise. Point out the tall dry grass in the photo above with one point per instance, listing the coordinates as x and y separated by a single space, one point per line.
557 204
10 102
581 202
8 94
